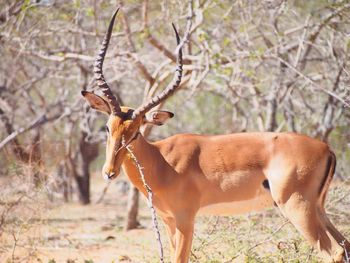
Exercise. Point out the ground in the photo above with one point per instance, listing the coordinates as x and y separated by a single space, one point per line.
38 230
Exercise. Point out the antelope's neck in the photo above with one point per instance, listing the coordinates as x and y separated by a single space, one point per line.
150 158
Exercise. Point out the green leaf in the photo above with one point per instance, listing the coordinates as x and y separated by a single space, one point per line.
90 12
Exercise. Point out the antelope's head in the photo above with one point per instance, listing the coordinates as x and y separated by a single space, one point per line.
124 123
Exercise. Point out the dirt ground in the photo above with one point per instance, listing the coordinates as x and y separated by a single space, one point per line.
42 231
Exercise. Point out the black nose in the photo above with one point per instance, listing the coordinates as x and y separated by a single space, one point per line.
110 175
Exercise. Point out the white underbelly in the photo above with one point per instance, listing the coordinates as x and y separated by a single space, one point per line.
258 203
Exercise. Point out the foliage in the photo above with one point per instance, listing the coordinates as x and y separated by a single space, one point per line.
249 66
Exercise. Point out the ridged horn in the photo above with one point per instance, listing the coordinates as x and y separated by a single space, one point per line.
144 108
98 72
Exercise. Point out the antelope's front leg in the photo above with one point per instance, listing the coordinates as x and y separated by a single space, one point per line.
170 226
184 235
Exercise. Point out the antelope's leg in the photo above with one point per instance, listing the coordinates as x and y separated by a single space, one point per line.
334 232
170 227
184 235
307 219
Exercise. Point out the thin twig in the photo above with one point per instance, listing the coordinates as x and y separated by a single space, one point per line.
100 199
347 256
262 242
149 199
310 81
37 122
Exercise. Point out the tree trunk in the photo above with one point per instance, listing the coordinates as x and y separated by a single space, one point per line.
272 102
271 122
289 115
133 209
83 183
88 152
36 160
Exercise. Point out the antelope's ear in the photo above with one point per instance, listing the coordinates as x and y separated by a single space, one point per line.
96 102
158 117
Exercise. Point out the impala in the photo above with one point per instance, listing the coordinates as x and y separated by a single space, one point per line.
221 175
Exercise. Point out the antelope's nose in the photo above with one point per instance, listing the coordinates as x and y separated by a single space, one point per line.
109 176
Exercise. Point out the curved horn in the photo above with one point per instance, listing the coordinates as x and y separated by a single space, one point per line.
143 109
98 73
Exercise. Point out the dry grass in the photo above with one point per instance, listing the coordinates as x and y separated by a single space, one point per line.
39 231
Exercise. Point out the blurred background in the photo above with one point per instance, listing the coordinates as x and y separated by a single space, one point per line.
249 66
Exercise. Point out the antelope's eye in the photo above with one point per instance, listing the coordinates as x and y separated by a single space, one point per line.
107 129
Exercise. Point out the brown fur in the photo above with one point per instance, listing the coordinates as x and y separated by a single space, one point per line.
223 174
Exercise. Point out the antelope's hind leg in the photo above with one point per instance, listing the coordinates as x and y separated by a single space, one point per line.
308 220
335 233
302 206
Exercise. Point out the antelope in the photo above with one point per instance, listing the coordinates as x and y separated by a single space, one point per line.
218 175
